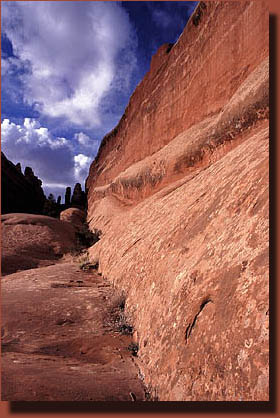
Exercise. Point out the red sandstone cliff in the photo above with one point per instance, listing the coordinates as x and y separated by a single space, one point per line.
180 191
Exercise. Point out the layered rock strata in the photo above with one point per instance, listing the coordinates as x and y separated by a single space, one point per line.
180 191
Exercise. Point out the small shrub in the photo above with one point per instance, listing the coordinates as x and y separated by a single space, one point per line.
118 302
133 348
83 257
84 263
87 238
118 318
88 266
126 329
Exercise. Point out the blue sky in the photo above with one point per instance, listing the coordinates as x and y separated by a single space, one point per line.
68 70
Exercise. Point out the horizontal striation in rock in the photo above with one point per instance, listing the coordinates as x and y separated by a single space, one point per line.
192 81
179 190
201 238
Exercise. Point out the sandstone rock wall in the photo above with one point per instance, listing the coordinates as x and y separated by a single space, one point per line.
180 192
20 192
193 80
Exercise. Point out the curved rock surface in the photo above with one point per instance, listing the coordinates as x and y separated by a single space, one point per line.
194 261
74 216
194 80
29 241
179 190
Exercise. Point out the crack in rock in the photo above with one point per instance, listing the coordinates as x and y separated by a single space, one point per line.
192 324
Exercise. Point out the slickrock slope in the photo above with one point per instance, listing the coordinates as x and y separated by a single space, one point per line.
20 192
58 342
180 192
29 241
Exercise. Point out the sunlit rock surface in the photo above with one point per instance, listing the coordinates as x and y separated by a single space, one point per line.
74 216
179 190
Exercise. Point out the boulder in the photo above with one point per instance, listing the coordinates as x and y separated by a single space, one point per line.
75 216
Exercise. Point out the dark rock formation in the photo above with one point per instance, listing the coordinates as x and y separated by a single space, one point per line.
68 196
51 207
20 193
180 191
54 207
79 197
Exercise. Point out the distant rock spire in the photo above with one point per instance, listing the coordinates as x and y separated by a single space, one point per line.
28 172
79 197
18 167
68 196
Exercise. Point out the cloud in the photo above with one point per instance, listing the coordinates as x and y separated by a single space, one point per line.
85 143
73 50
81 166
33 145
82 138
57 161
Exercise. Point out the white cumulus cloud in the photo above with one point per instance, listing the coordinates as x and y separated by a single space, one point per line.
57 161
86 143
72 49
81 167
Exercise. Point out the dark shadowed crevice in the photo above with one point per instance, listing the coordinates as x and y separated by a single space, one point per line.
192 324
131 246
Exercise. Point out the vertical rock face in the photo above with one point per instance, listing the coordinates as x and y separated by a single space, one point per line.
192 81
179 190
20 193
